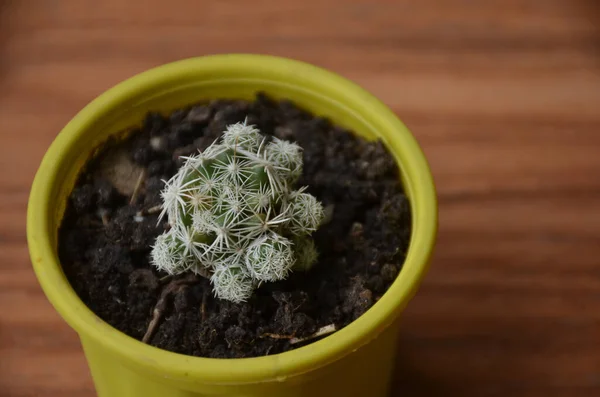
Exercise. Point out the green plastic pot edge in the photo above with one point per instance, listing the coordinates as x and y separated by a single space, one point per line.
237 75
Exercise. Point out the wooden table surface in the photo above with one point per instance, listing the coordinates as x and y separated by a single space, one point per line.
503 95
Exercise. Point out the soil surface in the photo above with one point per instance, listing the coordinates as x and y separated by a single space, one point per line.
106 235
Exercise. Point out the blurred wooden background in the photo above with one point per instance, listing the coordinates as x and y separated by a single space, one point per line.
504 96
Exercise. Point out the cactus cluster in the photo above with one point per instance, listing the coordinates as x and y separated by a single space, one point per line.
234 214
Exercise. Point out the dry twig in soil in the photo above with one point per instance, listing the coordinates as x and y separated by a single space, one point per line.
150 211
203 306
326 330
276 336
137 187
174 287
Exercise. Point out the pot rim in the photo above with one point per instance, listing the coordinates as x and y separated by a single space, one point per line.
418 182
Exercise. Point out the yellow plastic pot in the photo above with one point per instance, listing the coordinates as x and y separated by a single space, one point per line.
355 361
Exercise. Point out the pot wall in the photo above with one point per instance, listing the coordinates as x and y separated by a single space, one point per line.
366 372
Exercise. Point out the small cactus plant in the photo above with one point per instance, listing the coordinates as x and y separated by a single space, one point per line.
235 217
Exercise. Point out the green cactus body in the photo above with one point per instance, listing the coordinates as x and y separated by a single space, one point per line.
235 217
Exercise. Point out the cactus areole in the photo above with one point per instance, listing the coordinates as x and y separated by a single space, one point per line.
235 215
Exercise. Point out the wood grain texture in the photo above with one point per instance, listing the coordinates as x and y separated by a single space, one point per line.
503 95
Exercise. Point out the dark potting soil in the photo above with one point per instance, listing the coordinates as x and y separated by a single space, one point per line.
106 237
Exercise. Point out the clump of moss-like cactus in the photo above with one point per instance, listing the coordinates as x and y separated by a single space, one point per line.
235 216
